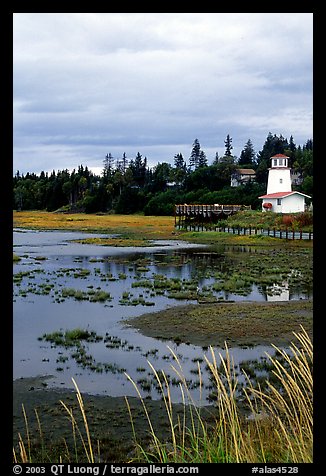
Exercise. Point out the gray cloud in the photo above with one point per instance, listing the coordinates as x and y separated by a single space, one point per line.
88 83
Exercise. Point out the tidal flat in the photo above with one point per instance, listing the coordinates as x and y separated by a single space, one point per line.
248 296
235 324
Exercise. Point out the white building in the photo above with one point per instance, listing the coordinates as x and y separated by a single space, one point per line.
242 176
279 197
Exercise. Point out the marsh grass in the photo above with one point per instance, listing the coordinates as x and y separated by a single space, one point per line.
136 230
81 438
71 337
132 228
278 428
16 258
270 425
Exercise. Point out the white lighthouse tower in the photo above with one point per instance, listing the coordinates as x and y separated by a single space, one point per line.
279 175
280 198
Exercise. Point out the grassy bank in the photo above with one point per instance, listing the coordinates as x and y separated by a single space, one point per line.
245 323
135 226
137 230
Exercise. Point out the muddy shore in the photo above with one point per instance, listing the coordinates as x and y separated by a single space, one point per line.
108 419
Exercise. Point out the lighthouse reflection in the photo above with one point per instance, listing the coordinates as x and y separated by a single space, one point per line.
278 292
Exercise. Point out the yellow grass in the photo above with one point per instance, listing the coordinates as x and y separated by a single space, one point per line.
281 429
88 447
147 227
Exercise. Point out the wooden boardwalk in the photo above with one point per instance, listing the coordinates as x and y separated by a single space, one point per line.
205 218
204 212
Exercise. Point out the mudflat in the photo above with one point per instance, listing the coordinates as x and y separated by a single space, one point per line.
236 324
108 419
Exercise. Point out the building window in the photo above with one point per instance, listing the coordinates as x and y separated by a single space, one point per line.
279 201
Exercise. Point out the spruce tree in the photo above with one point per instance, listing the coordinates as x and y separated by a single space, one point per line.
202 161
247 154
180 170
195 155
228 146
108 165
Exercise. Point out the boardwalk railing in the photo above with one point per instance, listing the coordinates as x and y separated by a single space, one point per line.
215 210
287 234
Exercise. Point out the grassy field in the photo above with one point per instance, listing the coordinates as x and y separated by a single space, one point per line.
151 227
137 230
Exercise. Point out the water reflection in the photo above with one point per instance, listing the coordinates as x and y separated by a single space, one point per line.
278 292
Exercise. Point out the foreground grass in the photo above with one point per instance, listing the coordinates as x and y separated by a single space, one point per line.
280 427
277 426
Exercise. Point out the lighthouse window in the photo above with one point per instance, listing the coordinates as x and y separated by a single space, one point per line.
281 180
275 162
281 161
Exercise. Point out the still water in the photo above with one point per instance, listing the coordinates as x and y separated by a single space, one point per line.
52 265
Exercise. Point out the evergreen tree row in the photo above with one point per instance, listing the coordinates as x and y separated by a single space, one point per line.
129 185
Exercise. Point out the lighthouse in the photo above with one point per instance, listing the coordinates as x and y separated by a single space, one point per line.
279 175
279 197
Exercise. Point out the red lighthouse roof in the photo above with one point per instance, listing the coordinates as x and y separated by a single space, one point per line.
279 155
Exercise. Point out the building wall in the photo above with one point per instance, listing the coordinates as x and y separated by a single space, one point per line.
279 180
290 204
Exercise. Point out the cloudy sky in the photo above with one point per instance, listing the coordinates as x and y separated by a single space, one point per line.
88 84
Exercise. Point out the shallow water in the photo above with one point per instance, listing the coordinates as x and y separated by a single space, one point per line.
51 263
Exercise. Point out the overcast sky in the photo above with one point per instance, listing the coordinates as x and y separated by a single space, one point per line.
88 84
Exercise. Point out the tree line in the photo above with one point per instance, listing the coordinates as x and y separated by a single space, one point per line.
128 185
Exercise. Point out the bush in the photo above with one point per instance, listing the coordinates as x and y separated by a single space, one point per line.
162 204
304 219
287 220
